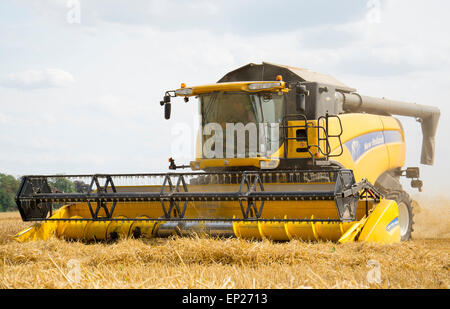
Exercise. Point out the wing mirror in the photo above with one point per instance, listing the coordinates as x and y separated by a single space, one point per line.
300 97
167 110
167 106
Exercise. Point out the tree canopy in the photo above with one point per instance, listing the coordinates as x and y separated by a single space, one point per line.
9 185
8 189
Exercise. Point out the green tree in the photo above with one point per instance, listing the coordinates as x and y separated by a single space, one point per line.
9 186
62 185
8 189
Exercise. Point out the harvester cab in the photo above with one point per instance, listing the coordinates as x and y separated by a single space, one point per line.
281 153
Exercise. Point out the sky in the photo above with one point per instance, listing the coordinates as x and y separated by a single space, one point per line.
81 81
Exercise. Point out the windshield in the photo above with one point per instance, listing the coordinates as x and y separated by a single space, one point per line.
240 124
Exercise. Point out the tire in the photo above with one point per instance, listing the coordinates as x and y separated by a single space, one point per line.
405 212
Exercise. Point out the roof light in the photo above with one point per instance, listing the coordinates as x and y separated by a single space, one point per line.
259 86
271 164
183 85
279 77
183 91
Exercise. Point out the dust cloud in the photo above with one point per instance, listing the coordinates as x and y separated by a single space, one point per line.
431 217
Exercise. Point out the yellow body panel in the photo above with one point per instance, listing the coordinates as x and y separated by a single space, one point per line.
69 230
357 128
145 228
380 156
298 149
120 228
234 86
234 162
373 227
382 225
352 233
47 230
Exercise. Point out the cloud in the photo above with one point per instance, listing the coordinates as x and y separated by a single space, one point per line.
248 18
38 79
125 54
4 118
119 108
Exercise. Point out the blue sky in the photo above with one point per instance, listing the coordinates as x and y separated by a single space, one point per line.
84 97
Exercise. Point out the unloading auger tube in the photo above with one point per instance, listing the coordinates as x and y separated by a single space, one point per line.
256 205
428 116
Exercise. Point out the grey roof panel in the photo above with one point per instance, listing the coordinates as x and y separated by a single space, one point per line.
268 71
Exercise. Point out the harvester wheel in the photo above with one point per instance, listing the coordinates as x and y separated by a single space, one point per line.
405 212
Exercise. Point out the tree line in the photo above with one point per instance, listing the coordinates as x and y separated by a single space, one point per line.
9 185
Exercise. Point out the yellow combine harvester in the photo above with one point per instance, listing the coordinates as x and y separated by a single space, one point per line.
282 153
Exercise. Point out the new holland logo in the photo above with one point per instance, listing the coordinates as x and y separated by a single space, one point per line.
360 145
392 224
356 152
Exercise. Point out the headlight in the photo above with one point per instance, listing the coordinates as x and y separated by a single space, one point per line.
266 165
183 91
195 165
259 86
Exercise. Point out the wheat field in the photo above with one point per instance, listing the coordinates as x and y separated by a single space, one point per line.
200 263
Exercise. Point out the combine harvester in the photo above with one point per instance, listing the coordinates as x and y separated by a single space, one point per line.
282 153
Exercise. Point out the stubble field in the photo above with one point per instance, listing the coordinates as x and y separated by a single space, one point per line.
231 263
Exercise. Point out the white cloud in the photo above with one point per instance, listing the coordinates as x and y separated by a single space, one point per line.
118 107
38 79
125 55
249 18
4 118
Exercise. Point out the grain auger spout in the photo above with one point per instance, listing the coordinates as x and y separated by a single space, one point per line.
282 153
428 116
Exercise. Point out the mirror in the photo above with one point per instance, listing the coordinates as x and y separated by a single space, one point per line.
300 97
167 110
301 101
165 100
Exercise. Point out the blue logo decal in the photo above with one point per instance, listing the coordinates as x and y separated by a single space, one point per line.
361 144
392 137
392 224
